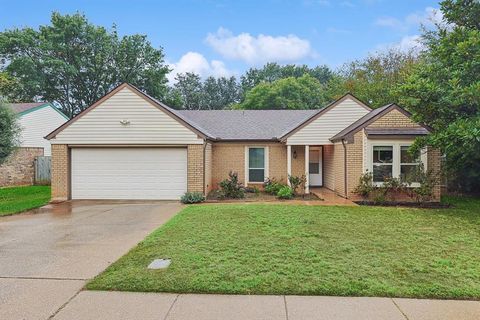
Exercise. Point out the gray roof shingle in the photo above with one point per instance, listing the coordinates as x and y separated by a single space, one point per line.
247 124
22 107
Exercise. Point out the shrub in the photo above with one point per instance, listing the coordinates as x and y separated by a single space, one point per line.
285 192
231 188
192 197
271 186
296 182
365 185
427 181
392 187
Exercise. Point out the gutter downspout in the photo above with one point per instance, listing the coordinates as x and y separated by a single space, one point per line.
204 164
345 167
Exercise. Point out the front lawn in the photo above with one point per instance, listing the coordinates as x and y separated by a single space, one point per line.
309 250
18 199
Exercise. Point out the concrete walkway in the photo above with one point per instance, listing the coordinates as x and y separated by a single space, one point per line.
93 305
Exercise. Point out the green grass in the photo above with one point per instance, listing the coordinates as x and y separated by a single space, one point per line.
18 199
309 250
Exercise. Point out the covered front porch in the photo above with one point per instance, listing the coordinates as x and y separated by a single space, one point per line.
313 161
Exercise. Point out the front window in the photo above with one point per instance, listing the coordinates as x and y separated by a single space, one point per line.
256 164
382 163
408 164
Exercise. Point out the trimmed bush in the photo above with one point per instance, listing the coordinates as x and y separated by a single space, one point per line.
231 188
192 197
271 186
285 192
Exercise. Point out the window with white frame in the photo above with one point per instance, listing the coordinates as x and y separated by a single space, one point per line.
409 164
390 159
257 164
382 163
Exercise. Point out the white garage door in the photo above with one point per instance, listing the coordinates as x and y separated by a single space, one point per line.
129 173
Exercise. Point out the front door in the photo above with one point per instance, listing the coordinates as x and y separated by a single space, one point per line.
315 167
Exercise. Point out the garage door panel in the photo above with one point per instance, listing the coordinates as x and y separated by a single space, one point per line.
129 173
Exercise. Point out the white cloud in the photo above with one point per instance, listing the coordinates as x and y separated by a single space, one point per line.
427 18
259 49
406 44
197 63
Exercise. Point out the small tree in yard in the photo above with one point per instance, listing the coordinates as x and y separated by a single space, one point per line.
9 131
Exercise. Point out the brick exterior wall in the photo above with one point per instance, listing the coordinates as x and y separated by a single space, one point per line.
208 167
339 168
434 160
394 119
195 174
328 167
354 162
298 164
60 172
231 157
19 168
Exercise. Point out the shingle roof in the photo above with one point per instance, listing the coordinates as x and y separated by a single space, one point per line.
247 124
22 107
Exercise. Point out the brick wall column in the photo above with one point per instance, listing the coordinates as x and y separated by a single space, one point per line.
195 174
60 172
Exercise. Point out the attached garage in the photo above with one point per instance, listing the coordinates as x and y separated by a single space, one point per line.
127 146
128 173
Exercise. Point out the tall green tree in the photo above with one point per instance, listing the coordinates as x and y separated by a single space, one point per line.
273 71
305 92
444 91
220 93
189 89
9 131
74 63
374 79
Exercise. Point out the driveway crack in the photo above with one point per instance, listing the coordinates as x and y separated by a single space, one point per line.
171 307
398 307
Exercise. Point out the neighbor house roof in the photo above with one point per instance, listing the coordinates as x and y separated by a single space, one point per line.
369 118
247 124
27 107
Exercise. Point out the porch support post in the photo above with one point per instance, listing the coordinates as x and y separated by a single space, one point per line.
307 160
289 163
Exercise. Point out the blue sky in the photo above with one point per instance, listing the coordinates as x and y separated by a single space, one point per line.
227 37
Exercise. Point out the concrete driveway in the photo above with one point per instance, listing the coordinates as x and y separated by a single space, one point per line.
47 255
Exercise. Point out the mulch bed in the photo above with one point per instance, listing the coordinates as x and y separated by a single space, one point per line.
216 196
427 205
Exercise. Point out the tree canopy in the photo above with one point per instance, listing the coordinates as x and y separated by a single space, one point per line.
443 91
73 62
9 131
304 92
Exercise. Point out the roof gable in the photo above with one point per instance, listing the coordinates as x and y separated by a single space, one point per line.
151 101
126 116
377 114
327 122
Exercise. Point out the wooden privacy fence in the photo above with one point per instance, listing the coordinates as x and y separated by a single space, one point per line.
42 169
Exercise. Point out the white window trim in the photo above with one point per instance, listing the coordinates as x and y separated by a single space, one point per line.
396 144
247 171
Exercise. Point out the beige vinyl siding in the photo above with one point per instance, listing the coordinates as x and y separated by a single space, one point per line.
37 124
327 125
148 124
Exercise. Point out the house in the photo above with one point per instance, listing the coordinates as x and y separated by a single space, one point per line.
36 120
130 146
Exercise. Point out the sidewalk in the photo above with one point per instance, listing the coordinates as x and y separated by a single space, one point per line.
125 305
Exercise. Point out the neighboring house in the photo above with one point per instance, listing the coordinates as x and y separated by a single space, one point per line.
130 146
36 120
